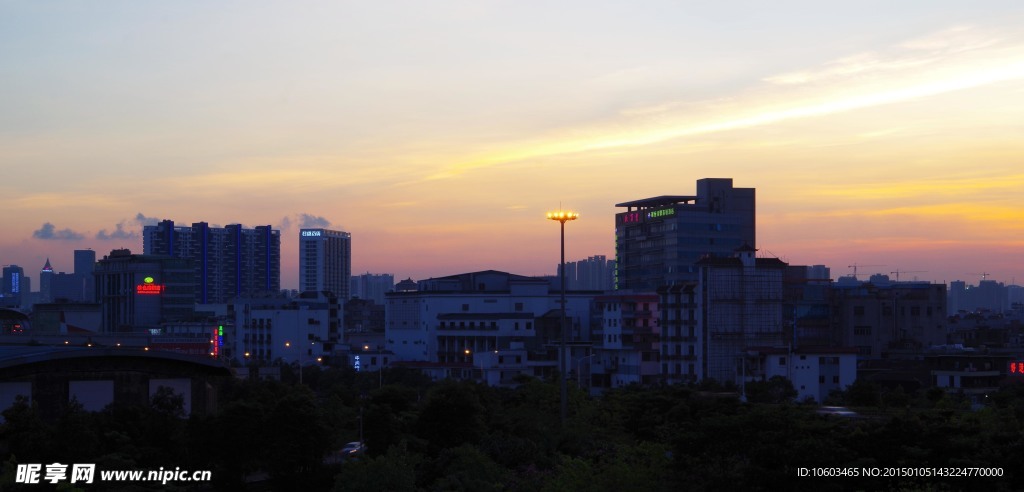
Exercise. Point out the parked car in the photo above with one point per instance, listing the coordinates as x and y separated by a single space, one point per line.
837 411
352 449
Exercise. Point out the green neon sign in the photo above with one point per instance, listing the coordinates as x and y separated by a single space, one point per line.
661 213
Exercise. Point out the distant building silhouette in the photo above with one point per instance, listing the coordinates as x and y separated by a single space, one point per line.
593 273
372 286
229 261
16 286
46 282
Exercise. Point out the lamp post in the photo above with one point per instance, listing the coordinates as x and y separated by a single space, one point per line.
288 345
562 217
579 370
380 364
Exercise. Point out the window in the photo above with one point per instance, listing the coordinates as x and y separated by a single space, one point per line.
782 361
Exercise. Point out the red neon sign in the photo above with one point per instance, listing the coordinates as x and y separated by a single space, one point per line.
149 289
631 217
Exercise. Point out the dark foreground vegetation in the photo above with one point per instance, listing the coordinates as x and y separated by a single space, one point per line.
466 436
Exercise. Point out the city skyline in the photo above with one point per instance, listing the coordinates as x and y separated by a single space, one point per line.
874 134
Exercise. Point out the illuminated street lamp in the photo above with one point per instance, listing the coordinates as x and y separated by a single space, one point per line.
288 344
380 364
562 217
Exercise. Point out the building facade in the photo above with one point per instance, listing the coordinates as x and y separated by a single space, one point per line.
16 286
627 347
325 262
491 326
880 317
740 303
659 240
228 262
295 331
139 292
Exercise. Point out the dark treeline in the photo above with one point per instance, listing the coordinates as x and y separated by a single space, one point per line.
466 436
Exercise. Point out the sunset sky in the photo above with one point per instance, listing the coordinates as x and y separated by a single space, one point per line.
439 133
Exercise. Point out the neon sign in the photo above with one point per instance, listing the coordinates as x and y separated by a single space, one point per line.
630 217
661 213
1017 368
355 364
149 288
310 233
218 340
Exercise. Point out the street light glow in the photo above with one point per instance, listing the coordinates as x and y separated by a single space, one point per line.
563 215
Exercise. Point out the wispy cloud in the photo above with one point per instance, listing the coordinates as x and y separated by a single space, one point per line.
917 54
304 221
142 220
119 232
49 232
953 60
309 221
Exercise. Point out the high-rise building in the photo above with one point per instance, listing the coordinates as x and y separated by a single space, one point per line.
85 263
659 240
372 286
325 262
593 273
16 286
228 262
46 282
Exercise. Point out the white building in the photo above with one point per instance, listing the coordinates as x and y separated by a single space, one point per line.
486 325
627 349
297 330
814 372
325 261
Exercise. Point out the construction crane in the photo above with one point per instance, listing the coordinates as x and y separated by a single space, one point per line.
898 272
855 266
983 275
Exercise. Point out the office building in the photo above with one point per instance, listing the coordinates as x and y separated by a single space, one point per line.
139 292
85 262
16 286
46 282
659 240
325 262
79 286
228 262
